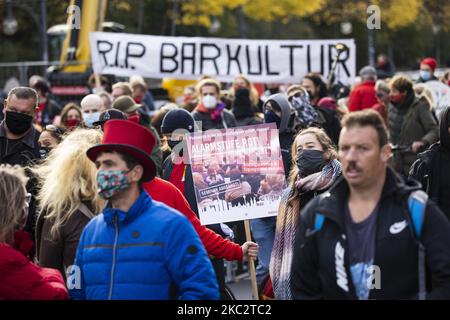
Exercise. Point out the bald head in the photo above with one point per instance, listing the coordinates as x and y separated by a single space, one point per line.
91 103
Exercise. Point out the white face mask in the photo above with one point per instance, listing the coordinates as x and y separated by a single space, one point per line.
90 118
210 102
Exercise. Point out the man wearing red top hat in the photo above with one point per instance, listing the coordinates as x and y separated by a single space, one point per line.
137 248
427 68
215 245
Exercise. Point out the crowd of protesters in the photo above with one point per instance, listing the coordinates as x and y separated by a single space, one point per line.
97 199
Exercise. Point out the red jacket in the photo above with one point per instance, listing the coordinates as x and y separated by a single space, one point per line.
23 280
164 191
362 97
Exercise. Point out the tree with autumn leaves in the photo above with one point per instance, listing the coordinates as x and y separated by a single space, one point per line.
409 28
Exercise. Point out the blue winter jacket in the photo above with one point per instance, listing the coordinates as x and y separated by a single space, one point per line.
150 252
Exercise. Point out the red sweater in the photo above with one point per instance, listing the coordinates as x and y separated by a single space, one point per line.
362 97
23 280
164 191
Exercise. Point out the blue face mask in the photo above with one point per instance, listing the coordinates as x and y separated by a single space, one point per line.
271 117
90 118
425 75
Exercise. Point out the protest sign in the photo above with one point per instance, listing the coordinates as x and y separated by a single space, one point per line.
238 173
441 96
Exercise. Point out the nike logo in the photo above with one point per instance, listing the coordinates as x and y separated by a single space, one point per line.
398 227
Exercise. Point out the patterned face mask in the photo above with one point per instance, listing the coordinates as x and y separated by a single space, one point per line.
110 182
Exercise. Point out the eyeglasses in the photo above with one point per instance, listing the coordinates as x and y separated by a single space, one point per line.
53 128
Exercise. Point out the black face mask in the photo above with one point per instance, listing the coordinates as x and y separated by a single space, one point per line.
310 161
44 151
271 117
18 123
179 150
173 143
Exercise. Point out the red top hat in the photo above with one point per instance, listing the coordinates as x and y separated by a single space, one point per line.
129 138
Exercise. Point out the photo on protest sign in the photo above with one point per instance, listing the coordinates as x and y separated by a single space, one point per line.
260 60
238 173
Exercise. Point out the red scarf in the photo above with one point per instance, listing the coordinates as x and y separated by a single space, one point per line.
215 114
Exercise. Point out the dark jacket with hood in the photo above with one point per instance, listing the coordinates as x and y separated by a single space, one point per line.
412 121
328 120
432 169
286 131
320 255
243 110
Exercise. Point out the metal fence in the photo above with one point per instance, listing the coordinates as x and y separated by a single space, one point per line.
22 71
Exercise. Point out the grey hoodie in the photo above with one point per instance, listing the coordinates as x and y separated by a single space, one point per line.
286 110
286 134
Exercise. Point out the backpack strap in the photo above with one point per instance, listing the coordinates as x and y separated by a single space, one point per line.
318 221
85 210
417 202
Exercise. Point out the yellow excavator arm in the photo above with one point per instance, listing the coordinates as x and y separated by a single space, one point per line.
85 16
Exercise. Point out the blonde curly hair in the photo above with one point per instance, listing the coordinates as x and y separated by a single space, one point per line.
67 178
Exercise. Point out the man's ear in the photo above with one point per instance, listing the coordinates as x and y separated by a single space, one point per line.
138 172
386 153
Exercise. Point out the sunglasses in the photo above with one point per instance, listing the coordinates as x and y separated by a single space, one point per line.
296 95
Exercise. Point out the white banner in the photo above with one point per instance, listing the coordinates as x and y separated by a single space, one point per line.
276 61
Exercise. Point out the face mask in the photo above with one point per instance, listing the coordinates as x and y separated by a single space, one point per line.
310 95
134 118
72 123
397 98
111 182
310 161
299 102
210 102
425 75
18 123
44 151
90 118
173 143
177 147
187 98
271 117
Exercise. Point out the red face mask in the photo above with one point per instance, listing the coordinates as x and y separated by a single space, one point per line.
134 118
71 123
137 99
187 98
397 98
